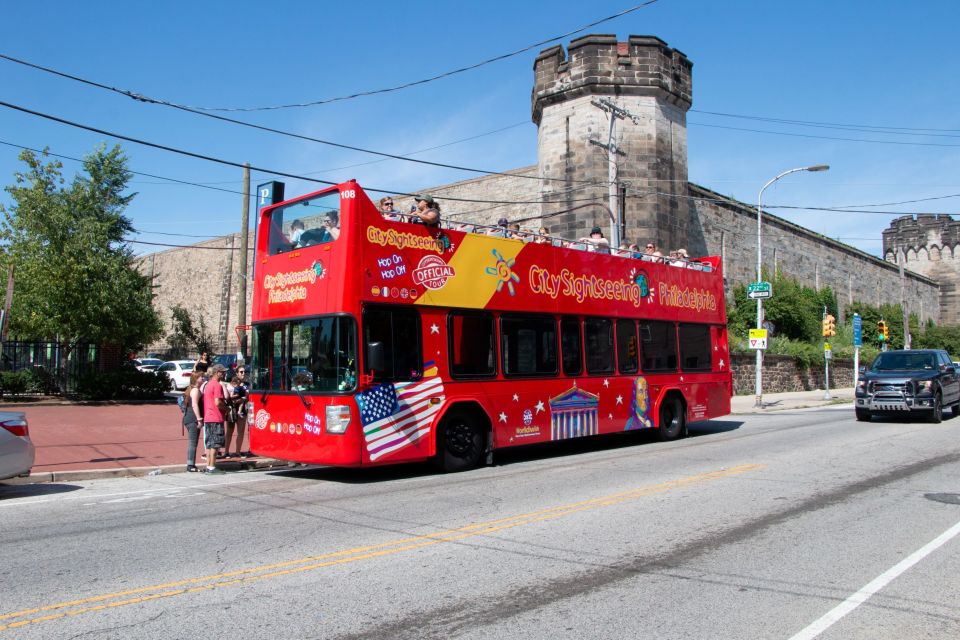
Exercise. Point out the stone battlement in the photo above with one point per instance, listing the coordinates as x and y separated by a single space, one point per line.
600 65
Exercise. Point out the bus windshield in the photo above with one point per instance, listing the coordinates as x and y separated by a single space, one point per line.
315 355
305 223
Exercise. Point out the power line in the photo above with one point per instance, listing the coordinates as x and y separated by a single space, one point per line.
232 163
281 132
830 125
137 173
359 94
808 135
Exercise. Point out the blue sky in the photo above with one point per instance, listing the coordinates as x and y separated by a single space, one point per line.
888 69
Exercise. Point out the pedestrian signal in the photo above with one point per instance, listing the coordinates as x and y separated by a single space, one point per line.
829 326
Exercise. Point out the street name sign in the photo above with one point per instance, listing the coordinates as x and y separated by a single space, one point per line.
758 338
757 290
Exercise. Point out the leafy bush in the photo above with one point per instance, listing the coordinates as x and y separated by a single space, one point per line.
14 383
125 383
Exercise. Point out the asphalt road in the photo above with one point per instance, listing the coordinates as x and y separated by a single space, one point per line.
790 525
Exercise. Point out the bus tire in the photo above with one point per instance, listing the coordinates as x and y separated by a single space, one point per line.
673 418
460 442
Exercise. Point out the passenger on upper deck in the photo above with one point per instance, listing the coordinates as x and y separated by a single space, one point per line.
596 242
651 253
428 211
500 229
543 236
387 210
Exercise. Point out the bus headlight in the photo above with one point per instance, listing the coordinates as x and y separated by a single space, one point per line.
338 418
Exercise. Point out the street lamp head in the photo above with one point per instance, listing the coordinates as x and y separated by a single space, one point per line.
819 167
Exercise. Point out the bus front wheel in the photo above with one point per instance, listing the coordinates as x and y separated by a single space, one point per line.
673 419
460 444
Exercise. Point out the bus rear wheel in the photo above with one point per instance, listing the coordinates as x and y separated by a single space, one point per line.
673 419
460 444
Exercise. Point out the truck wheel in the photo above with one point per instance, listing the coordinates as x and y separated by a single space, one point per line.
862 415
460 443
672 419
936 414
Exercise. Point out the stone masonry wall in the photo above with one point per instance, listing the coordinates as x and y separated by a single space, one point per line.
781 373
204 279
720 226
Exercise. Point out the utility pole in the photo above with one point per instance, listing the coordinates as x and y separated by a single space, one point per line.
244 242
616 113
903 302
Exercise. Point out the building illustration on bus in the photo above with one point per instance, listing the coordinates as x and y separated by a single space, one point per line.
378 341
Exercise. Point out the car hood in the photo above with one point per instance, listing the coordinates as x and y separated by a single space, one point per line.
901 376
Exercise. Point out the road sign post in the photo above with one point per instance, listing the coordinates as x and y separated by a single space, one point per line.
857 343
758 338
759 290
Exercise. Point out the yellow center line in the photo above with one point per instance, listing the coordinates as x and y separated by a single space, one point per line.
242 576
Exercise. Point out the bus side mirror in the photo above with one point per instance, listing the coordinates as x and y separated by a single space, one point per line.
376 361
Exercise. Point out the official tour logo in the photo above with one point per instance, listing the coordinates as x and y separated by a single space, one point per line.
433 272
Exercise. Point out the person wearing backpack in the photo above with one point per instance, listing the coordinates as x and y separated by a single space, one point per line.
191 404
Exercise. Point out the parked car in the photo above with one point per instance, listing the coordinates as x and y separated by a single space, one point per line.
148 364
911 382
16 450
179 373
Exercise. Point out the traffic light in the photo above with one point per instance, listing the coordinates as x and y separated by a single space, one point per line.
829 326
883 333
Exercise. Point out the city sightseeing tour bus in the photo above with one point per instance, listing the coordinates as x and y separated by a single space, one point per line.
378 342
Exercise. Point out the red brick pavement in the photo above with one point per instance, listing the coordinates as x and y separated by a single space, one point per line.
70 437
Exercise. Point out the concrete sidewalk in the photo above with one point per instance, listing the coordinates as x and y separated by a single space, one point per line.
790 400
81 442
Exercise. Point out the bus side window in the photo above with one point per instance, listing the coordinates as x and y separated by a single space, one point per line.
570 346
398 330
598 340
472 345
659 346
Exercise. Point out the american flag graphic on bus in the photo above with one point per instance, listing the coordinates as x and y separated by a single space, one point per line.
396 415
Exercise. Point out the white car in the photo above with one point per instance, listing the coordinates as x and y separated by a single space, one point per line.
16 450
179 373
148 364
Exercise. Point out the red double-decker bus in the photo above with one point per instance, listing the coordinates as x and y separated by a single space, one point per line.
378 342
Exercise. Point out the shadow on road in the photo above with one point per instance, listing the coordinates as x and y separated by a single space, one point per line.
9 491
508 457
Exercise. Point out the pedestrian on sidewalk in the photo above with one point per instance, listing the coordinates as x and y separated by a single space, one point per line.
214 415
192 409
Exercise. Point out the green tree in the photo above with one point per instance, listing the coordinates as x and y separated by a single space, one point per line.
795 309
75 275
186 333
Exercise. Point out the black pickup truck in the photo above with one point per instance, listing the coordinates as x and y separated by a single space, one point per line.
908 381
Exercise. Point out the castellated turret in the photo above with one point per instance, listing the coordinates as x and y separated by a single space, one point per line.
929 244
652 83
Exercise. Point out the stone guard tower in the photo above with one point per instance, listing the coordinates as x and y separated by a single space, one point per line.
929 245
652 83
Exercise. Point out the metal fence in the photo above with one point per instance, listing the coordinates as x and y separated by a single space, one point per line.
34 355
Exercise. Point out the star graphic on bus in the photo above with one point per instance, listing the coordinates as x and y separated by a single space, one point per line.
539 406
434 329
721 363
619 399
516 398
503 417
504 271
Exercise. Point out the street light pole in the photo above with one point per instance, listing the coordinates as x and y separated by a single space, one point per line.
759 362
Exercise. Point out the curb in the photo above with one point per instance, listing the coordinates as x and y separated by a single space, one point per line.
816 405
139 472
